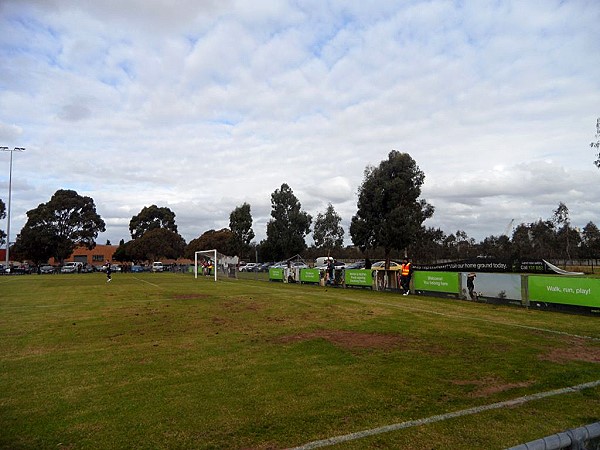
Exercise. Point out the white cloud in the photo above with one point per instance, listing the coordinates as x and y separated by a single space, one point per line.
10 132
201 106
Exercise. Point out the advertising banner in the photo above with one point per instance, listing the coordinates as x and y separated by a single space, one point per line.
310 275
464 265
358 277
502 286
276 273
566 291
491 265
436 281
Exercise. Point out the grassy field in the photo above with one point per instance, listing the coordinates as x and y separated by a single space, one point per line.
163 360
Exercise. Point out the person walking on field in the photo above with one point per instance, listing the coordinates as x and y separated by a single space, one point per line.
108 272
406 271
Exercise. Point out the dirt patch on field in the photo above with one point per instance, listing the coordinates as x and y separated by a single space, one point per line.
489 386
189 296
577 349
350 340
220 321
241 304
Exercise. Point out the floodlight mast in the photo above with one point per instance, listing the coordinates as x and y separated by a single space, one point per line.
6 149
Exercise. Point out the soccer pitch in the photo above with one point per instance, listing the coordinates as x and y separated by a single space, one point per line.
167 361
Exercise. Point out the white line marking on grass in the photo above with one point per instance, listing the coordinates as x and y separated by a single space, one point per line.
465 412
508 324
144 281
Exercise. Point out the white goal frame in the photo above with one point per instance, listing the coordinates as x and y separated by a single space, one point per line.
213 253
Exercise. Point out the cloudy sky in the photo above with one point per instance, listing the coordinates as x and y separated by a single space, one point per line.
202 105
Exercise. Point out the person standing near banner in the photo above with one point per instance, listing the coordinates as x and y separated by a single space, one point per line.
471 286
331 272
406 271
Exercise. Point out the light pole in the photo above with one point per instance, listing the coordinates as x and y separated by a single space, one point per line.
6 149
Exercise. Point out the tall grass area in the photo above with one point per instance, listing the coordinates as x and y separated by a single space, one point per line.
165 361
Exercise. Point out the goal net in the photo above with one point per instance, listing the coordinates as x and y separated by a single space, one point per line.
211 263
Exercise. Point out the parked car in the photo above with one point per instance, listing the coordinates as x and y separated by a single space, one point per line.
21 269
322 260
46 269
157 266
338 265
356 265
113 268
380 265
136 268
293 265
71 267
264 267
249 267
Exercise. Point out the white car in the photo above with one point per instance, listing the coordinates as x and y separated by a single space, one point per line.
380 265
338 265
322 260
157 266
71 267
249 267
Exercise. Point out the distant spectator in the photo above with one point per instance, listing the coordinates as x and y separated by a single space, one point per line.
331 272
471 285
108 272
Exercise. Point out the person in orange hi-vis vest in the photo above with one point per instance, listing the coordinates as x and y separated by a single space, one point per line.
406 271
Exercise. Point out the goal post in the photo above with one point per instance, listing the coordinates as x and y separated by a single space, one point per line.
216 261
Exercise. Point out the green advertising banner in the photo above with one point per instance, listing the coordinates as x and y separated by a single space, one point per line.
276 273
310 275
358 277
436 281
567 291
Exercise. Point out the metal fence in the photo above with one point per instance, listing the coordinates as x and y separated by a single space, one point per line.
583 438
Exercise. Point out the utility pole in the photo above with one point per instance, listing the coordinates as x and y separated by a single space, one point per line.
6 149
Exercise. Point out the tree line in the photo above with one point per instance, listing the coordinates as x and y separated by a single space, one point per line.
389 223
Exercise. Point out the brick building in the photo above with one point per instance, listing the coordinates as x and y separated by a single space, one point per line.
96 256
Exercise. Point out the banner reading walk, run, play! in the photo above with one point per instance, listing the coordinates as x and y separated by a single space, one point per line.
567 291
